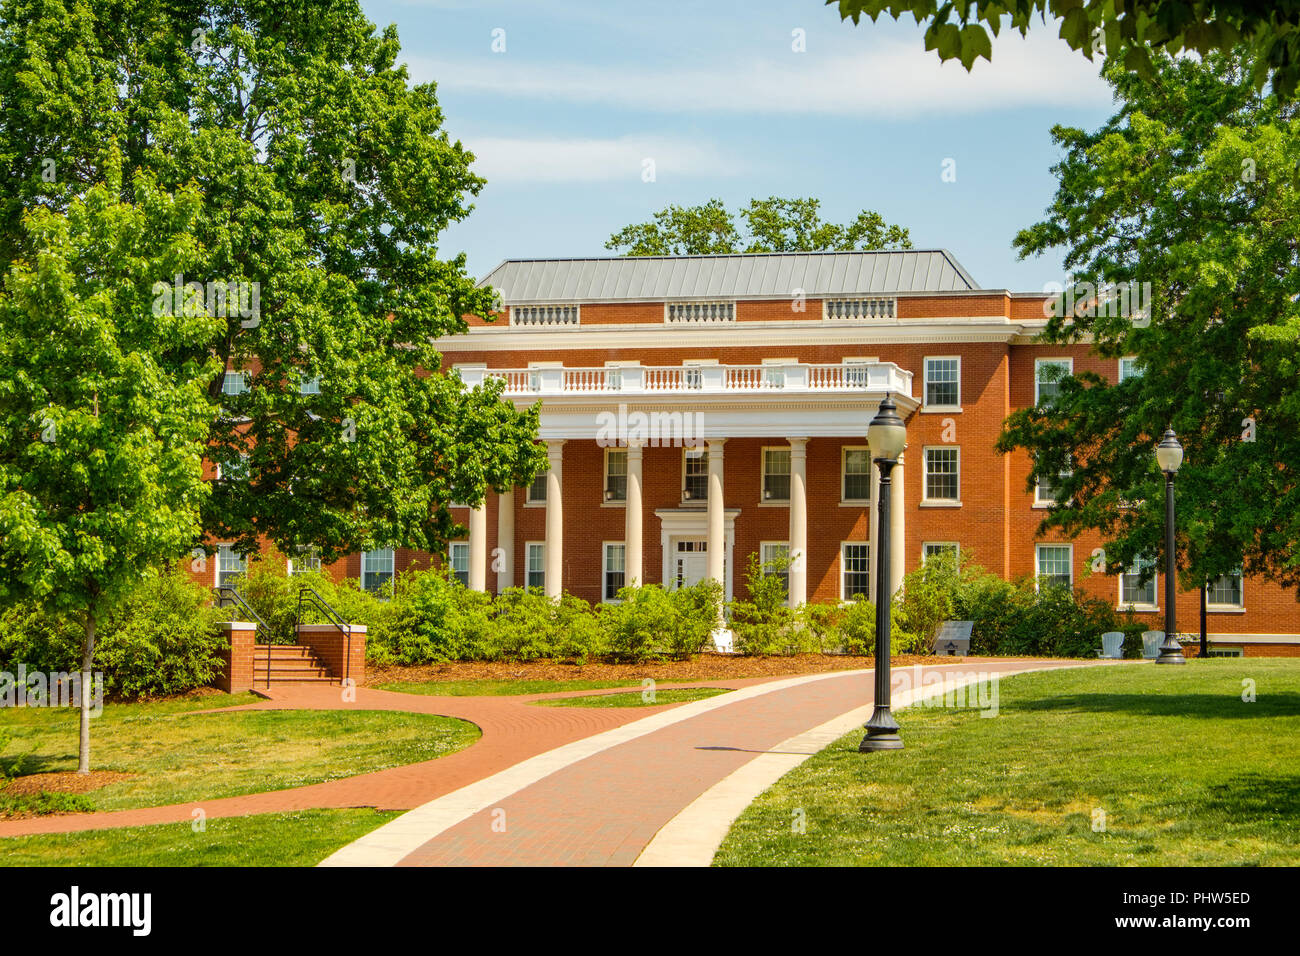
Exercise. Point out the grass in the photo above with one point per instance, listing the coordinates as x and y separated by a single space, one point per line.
178 756
303 838
500 688
1186 772
635 698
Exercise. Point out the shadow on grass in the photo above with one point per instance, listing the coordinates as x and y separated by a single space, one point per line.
1173 704
1255 796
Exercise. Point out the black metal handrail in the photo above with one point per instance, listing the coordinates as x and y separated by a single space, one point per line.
332 617
228 594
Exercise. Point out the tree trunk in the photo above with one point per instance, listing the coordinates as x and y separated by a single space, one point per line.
87 654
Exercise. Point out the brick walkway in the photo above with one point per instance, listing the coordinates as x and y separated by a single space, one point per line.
603 809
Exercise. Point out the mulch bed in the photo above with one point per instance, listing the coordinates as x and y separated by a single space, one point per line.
704 667
69 782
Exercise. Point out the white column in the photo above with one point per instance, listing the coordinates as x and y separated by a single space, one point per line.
897 528
798 521
478 547
873 522
504 560
554 520
634 571
716 513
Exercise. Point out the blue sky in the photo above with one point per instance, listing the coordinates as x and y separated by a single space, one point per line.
564 119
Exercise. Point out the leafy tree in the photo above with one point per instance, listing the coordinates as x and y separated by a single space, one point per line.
771 225
103 407
1191 186
325 180
1130 31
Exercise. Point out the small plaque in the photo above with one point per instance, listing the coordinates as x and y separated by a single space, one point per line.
953 638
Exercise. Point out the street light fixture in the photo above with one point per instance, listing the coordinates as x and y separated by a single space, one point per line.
1169 455
887 436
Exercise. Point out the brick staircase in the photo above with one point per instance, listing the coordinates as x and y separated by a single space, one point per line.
290 664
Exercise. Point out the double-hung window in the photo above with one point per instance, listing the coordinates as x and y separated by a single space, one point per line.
943 382
458 559
376 568
855 570
614 570
776 474
1055 565
1132 591
615 474
943 473
856 475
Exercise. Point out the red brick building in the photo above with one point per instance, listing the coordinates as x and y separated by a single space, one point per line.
698 409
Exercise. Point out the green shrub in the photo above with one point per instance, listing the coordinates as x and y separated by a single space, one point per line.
163 639
527 626
820 627
927 599
431 618
650 623
765 624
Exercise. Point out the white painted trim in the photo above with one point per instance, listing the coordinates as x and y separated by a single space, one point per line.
842 571
1067 361
926 500
1051 544
925 383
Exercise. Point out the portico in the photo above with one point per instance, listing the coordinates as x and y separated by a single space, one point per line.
753 427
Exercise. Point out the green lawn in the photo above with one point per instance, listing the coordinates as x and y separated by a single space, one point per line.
499 688
1186 772
177 755
303 838
635 698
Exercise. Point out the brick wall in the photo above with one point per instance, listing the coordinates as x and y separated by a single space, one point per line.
237 659
343 656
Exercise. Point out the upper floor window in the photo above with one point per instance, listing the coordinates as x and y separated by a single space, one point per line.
1047 378
695 474
943 382
235 383
776 474
856 475
543 315
943 474
873 308
536 493
615 474
699 312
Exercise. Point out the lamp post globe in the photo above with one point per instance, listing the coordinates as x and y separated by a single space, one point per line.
1169 455
887 435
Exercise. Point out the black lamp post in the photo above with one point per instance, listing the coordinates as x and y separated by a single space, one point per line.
887 436
1169 455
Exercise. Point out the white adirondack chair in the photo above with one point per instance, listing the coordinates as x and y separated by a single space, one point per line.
1112 645
1151 641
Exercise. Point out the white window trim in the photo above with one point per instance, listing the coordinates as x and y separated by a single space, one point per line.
1140 607
926 500
844 571
1039 362
764 545
764 502
605 500
528 546
844 450
216 562
529 501
289 564
605 568
956 546
925 384
1038 564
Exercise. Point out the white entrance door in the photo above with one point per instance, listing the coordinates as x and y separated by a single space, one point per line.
690 562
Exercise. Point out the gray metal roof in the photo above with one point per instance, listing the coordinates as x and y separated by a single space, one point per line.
749 275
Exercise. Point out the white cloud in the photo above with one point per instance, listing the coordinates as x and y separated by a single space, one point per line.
504 159
885 77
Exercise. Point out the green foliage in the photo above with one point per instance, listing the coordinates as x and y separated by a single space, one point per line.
764 623
432 619
1190 187
305 162
773 225
650 623
926 601
527 625
161 639
1128 33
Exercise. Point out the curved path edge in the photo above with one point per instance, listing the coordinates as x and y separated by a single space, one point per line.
693 836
